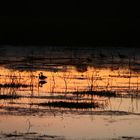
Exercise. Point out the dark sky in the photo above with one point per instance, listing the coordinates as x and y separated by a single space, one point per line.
68 23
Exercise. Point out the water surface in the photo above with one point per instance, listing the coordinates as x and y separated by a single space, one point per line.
87 93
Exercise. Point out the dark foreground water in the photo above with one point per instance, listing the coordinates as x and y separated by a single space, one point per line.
69 93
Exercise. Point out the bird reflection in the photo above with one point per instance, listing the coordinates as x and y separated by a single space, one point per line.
41 83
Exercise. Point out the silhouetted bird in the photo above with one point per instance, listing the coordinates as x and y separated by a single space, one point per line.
41 76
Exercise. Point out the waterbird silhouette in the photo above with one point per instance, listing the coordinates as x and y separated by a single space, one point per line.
41 76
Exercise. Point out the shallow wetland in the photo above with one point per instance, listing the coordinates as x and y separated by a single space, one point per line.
69 93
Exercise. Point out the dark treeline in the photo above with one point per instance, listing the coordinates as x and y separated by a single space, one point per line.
69 23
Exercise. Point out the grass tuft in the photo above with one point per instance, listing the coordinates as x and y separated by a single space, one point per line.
9 97
76 105
98 93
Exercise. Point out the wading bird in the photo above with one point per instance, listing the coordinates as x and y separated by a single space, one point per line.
41 76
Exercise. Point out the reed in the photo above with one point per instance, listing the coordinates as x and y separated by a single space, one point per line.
6 97
98 93
71 105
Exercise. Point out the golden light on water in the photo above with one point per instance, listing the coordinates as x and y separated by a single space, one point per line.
72 80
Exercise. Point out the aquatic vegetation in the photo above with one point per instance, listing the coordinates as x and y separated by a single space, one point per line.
74 105
98 93
13 85
29 135
9 96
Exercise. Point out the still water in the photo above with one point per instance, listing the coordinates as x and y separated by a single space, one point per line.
69 93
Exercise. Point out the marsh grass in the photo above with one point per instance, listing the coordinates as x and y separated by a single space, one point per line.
6 97
98 93
13 85
29 136
71 105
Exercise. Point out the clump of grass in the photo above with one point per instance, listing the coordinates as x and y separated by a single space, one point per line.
98 93
72 105
9 96
28 135
13 135
13 85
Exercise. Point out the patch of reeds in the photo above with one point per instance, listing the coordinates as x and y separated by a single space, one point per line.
13 85
14 135
5 97
98 93
27 136
71 105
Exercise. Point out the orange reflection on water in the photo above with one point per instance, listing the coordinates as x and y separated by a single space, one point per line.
68 81
66 121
